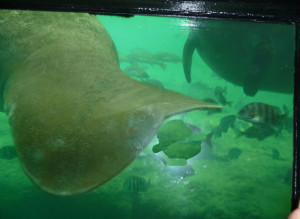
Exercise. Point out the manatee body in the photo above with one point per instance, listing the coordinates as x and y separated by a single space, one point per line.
256 56
77 120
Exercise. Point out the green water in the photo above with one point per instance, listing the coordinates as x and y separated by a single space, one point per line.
255 185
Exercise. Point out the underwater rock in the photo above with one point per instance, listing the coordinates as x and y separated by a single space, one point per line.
8 152
254 56
77 120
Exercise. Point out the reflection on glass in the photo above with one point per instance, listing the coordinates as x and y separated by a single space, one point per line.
209 163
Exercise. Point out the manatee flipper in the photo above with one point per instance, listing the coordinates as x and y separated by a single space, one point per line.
188 51
260 62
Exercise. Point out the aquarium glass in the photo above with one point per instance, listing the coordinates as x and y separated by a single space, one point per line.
234 162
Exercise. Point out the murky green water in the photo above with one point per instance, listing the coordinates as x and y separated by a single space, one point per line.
239 173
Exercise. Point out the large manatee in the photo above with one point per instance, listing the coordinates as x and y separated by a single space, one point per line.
76 118
257 56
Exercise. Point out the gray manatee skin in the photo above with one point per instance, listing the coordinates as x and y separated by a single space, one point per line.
256 56
77 120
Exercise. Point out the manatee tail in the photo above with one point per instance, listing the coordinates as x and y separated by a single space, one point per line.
188 50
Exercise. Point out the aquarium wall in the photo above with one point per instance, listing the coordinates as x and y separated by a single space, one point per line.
144 117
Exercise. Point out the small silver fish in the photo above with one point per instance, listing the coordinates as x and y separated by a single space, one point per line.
136 184
261 113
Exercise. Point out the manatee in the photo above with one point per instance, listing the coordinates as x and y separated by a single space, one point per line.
256 56
77 120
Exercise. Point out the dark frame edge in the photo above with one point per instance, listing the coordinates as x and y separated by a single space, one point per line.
267 11
296 149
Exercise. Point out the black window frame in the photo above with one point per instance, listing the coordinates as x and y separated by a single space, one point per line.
278 11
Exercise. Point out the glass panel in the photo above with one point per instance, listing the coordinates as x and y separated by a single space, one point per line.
209 163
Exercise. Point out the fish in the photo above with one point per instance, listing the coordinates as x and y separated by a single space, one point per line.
262 113
145 58
8 152
258 131
167 57
77 119
225 123
136 71
153 82
220 93
136 184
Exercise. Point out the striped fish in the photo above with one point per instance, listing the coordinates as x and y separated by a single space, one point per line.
261 113
153 82
136 184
